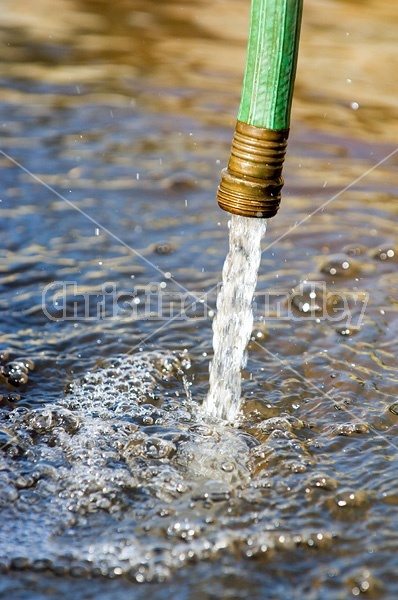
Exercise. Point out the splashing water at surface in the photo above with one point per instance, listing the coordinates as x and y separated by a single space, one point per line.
234 320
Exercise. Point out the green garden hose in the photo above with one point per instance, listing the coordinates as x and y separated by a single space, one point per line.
251 185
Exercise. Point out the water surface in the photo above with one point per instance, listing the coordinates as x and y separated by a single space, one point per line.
117 119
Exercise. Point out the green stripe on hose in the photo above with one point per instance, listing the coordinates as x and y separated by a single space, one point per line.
271 63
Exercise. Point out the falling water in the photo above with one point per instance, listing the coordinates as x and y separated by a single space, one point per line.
234 320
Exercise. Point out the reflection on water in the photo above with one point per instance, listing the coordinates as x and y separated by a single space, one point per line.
190 57
116 120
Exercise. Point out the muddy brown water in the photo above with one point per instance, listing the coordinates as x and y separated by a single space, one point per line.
116 119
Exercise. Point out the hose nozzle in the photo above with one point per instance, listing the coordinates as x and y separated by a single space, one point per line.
251 185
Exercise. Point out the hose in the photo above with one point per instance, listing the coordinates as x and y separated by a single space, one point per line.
251 185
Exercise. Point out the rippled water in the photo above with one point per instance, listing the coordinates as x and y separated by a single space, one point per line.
116 120
233 323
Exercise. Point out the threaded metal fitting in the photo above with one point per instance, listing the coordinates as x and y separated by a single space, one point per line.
251 185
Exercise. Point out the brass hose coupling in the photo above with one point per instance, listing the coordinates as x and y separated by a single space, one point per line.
251 185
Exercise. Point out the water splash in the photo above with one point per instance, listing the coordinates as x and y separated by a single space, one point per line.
119 476
234 320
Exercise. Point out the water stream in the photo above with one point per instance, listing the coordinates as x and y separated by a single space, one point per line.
233 323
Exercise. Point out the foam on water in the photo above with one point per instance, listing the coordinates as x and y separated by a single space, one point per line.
234 320
104 480
125 476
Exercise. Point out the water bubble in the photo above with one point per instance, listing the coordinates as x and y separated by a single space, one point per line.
18 378
27 363
180 181
275 423
16 372
42 564
309 297
340 265
352 499
216 491
201 429
4 356
41 420
363 582
296 466
350 429
314 301
227 466
157 448
19 563
8 492
322 481
347 330
355 250
164 248
186 529
387 252
259 333
394 408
